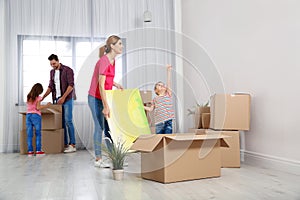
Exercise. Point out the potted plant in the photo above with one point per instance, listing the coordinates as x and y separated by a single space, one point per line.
198 112
117 154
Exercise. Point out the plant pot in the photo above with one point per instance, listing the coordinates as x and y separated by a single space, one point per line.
118 174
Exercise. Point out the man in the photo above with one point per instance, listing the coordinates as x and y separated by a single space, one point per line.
61 85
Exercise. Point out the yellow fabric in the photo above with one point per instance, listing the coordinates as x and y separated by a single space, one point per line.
127 115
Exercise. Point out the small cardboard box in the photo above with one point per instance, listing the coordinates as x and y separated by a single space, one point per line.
230 156
199 112
205 117
146 96
52 141
230 112
170 158
51 118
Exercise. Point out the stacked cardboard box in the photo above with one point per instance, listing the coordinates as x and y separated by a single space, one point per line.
52 131
230 113
202 117
170 158
230 156
146 96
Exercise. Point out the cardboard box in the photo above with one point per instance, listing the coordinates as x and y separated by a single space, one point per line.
197 131
230 156
52 141
146 96
205 117
51 118
150 118
204 109
230 112
199 111
170 158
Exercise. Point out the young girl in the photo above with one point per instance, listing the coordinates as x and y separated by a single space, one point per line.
163 106
34 118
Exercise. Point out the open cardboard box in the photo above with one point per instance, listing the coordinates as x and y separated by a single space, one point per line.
51 118
52 141
170 158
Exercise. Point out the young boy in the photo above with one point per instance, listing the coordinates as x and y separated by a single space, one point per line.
163 106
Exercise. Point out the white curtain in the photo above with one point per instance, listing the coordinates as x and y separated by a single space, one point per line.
149 46
2 72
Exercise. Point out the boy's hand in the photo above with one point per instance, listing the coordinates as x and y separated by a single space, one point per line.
169 67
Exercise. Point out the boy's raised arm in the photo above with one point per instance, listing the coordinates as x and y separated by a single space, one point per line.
169 71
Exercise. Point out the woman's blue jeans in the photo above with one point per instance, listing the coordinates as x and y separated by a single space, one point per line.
100 124
67 119
34 120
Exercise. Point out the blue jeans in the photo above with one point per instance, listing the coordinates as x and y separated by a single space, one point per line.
67 119
164 127
34 120
100 124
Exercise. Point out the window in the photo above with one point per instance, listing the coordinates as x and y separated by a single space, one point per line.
71 51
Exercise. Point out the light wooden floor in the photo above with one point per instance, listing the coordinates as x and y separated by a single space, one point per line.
73 176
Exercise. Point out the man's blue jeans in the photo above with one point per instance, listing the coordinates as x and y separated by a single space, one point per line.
96 107
67 119
34 120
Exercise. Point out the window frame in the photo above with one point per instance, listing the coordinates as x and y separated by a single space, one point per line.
73 40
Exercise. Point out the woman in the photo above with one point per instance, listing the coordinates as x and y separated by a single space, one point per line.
103 79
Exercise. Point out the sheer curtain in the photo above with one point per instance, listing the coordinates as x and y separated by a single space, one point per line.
2 72
149 46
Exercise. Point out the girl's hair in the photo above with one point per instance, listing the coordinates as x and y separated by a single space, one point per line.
35 91
113 39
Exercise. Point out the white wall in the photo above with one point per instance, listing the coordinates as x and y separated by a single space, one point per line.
254 45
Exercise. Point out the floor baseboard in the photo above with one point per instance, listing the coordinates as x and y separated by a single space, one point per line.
272 162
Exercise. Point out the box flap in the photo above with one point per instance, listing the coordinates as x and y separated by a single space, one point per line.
240 93
146 143
188 136
49 111
192 136
44 111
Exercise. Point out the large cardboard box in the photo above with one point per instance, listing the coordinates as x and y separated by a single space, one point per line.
51 118
230 112
230 156
52 141
170 158
198 131
146 96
